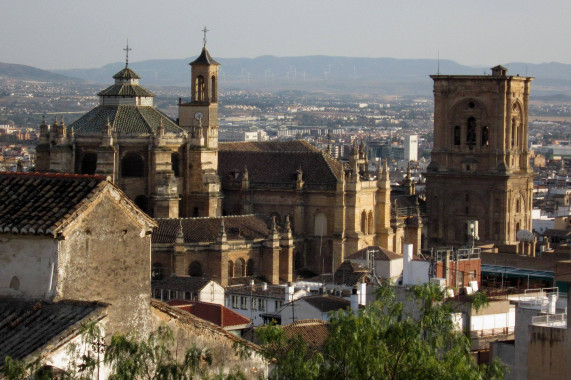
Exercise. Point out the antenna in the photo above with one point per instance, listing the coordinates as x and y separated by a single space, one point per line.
438 54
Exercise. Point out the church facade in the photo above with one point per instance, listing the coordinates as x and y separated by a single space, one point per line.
479 167
179 170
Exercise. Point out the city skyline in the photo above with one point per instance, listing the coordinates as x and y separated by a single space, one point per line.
71 34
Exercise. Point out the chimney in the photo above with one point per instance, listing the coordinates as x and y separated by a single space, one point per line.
289 290
552 303
362 292
407 270
354 300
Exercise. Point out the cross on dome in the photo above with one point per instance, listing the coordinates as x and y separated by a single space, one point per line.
204 38
127 53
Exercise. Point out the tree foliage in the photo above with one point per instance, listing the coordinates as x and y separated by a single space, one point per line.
383 341
126 356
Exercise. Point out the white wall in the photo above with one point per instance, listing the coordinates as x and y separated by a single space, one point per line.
212 293
33 259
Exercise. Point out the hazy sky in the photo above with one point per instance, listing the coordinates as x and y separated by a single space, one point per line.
63 34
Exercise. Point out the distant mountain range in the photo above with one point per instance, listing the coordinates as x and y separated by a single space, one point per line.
23 72
383 76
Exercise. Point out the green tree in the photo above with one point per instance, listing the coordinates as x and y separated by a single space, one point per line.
384 341
127 356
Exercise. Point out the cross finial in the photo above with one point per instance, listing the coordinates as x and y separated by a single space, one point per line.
204 38
127 53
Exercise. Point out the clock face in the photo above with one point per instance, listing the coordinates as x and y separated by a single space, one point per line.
198 115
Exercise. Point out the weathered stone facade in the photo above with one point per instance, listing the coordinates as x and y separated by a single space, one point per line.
480 162
98 250
223 248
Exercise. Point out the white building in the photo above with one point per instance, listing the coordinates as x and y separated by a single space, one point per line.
411 148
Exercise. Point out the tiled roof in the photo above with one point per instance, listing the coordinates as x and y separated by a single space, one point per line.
40 203
326 303
276 164
44 203
126 89
124 119
269 146
206 229
126 73
187 284
380 253
26 326
314 332
204 58
211 312
199 323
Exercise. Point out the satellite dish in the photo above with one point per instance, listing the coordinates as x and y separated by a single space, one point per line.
525 236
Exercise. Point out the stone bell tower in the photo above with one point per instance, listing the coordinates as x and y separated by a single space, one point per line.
479 167
199 118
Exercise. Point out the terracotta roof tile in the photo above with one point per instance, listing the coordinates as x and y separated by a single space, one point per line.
199 323
34 203
206 229
314 332
214 313
126 119
26 326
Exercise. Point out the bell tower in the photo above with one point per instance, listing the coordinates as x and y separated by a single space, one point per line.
199 118
479 166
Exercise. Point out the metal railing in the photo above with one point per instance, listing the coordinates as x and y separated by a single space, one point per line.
551 320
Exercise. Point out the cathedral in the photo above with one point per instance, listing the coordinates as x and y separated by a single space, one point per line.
479 168
177 169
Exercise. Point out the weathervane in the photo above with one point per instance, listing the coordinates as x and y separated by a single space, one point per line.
127 53
204 38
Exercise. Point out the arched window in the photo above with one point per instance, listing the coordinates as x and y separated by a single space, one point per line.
175 164
485 136
213 89
230 269
88 163
132 165
15 283
250 268
195 269
364 222
471 131
457 135
142 203
240 268
157 272
199 89
370 224
320 224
